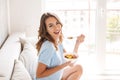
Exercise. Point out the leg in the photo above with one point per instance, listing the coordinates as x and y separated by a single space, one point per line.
72 73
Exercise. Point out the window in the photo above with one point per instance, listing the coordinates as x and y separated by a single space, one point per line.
113 26
78 17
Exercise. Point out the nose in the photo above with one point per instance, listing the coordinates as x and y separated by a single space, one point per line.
57 27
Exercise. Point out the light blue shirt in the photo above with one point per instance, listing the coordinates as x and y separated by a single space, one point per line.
51 58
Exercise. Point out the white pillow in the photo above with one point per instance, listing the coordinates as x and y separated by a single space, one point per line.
32 40
29 58
20 72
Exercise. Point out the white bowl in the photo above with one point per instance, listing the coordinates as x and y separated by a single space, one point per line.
71 57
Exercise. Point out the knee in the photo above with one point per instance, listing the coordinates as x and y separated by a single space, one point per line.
79 69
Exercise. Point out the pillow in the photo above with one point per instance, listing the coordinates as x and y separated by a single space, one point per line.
20 72
29 57
32 40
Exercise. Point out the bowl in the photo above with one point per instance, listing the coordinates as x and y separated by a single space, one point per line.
71 57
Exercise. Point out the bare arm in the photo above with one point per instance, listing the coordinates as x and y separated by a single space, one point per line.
43 71
79 40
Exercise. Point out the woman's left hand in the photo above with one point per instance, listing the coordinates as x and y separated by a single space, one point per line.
80 39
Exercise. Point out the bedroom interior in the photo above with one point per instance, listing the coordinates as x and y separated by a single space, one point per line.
99 20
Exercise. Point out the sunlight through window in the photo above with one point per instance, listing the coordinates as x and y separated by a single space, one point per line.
78 17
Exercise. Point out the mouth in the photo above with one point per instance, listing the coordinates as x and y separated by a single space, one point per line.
57 32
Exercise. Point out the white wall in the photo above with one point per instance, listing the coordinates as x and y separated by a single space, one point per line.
3 21
24 16
101 32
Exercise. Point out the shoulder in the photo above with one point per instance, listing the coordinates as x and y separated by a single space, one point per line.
47 45
60 45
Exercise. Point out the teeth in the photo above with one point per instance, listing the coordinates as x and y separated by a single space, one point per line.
57 32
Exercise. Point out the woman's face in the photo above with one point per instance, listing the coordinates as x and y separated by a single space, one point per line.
53 27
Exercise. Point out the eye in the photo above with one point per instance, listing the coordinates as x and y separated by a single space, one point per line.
50 25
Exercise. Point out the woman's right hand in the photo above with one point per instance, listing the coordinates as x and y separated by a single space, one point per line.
68 63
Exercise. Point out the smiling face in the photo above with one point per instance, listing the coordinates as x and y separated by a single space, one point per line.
53 27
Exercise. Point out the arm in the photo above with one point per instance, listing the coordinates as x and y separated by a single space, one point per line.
42 70
46 53
79 40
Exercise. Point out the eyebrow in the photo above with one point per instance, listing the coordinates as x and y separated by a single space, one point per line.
50 23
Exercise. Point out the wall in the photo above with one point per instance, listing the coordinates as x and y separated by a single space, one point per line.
101 33
3 21
25 16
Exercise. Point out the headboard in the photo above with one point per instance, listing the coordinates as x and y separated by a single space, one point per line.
3 21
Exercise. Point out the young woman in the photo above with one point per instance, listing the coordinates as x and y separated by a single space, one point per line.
51 61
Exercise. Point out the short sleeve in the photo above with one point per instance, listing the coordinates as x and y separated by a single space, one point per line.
46 53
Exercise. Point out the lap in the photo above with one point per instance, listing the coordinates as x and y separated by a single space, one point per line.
69 70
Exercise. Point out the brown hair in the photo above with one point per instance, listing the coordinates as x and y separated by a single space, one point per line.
43 35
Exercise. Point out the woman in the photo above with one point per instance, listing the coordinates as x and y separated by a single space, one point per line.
51 62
